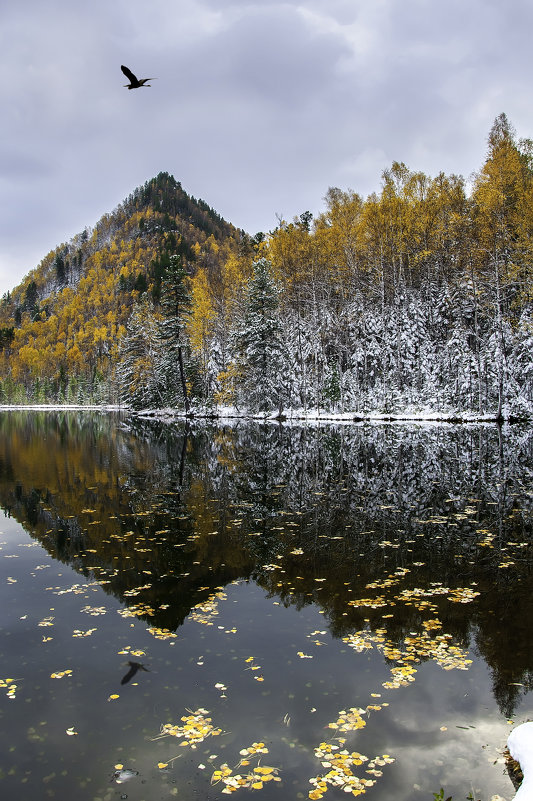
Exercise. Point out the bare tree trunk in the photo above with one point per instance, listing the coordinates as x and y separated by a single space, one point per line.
183 382
501 362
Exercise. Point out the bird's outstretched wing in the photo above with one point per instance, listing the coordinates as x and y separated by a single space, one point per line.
134 667
130 674
129 74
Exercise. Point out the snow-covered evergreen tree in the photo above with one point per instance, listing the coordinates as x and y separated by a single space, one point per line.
174 350
138 369
263 384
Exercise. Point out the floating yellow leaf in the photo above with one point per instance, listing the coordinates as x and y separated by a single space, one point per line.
254 779
59 674
340 773
11 687
79 633
196 727
162 634
94 610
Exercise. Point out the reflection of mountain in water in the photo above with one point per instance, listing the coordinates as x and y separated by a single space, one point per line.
167 514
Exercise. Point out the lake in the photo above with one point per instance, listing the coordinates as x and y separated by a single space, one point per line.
194 611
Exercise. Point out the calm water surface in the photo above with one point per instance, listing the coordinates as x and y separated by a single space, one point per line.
298 596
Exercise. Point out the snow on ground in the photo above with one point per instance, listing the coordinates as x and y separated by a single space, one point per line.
313 415
289 415
60 407
520 745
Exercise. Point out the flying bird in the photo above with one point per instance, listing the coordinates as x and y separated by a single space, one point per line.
134 666
134 82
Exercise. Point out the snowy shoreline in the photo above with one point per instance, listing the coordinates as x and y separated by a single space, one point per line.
226 413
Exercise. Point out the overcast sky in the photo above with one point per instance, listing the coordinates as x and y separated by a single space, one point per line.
259 106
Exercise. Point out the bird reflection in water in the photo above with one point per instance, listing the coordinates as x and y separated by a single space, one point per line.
134 668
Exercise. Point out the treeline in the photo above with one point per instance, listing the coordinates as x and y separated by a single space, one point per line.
416 297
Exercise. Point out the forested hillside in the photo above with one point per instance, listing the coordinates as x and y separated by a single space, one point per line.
61 328
418 297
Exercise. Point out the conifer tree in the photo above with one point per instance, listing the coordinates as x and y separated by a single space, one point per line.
260 344
175 307
200 330
138 373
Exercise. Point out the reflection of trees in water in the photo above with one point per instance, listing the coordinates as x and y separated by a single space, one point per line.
199 505
430 491
387 478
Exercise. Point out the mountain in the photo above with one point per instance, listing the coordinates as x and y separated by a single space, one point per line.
60 327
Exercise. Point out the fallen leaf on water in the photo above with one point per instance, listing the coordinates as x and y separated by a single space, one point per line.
93 610
253 778
161 634
196 727
11 687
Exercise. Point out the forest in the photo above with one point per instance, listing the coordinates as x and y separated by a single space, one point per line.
414 300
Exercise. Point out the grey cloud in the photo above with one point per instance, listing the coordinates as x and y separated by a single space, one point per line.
258 106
